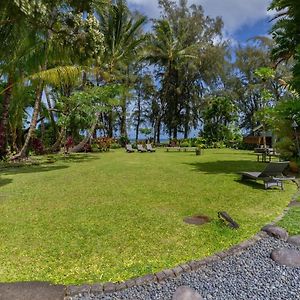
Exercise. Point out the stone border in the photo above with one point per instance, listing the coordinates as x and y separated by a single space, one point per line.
110 287
161 276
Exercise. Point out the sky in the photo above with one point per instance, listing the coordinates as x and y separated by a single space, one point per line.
243 19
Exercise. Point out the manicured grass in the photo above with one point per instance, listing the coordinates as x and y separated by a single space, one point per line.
291 221
113 216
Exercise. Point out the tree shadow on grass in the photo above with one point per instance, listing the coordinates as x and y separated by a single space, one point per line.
4 181
69 158
31 169
227 166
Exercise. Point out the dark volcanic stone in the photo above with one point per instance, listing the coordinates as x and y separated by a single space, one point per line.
276 232
31 291
186 293
295 240
286 257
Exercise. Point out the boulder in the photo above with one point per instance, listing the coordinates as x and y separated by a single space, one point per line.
186 293
294 240
276 232
286 257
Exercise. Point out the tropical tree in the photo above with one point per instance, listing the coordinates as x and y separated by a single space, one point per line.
286 34
123 39
179 46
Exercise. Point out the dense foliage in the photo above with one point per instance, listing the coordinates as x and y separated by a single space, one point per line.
86 69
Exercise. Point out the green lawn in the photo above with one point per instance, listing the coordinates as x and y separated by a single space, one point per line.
113 216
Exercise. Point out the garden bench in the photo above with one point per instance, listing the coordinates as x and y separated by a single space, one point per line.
184 149
172 149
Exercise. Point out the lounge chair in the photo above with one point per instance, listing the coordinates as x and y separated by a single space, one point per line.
149 148
141 148
128 148
272 175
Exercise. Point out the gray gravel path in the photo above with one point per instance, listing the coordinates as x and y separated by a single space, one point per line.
249 275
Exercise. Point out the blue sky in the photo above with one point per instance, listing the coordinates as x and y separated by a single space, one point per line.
243 19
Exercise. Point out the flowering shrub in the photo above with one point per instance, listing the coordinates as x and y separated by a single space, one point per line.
103 143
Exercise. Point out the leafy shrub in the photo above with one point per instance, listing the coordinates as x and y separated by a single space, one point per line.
103 143
174 142
115 146
199 142
286 148
219 145
185 144
123 140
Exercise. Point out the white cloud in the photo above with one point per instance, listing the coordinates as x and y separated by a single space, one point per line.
235 13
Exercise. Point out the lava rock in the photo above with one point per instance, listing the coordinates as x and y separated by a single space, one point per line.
286 257
295 240
186 293
248 275
276 232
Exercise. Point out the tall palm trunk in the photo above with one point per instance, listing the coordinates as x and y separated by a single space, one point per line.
4 118
33 123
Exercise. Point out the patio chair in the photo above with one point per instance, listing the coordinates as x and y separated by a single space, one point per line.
272 175
128 148
141 148
149 148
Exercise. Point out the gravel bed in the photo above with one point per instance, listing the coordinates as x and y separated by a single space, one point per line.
249 275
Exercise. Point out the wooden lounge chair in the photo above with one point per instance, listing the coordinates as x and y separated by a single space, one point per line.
149 148
141 148
272 175
128 148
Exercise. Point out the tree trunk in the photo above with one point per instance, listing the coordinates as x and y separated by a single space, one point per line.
80 146
175 132
123 128
52 119
4 118
186 123
158 130
57 144
33 123
138 121
110 124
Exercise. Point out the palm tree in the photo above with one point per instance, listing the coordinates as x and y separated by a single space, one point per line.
167 52
123 39
286 34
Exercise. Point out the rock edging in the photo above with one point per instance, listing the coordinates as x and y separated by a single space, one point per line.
110 287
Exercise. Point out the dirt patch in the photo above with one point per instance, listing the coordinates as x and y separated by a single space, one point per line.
197 220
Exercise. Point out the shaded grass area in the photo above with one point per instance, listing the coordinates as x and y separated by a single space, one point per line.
115 215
